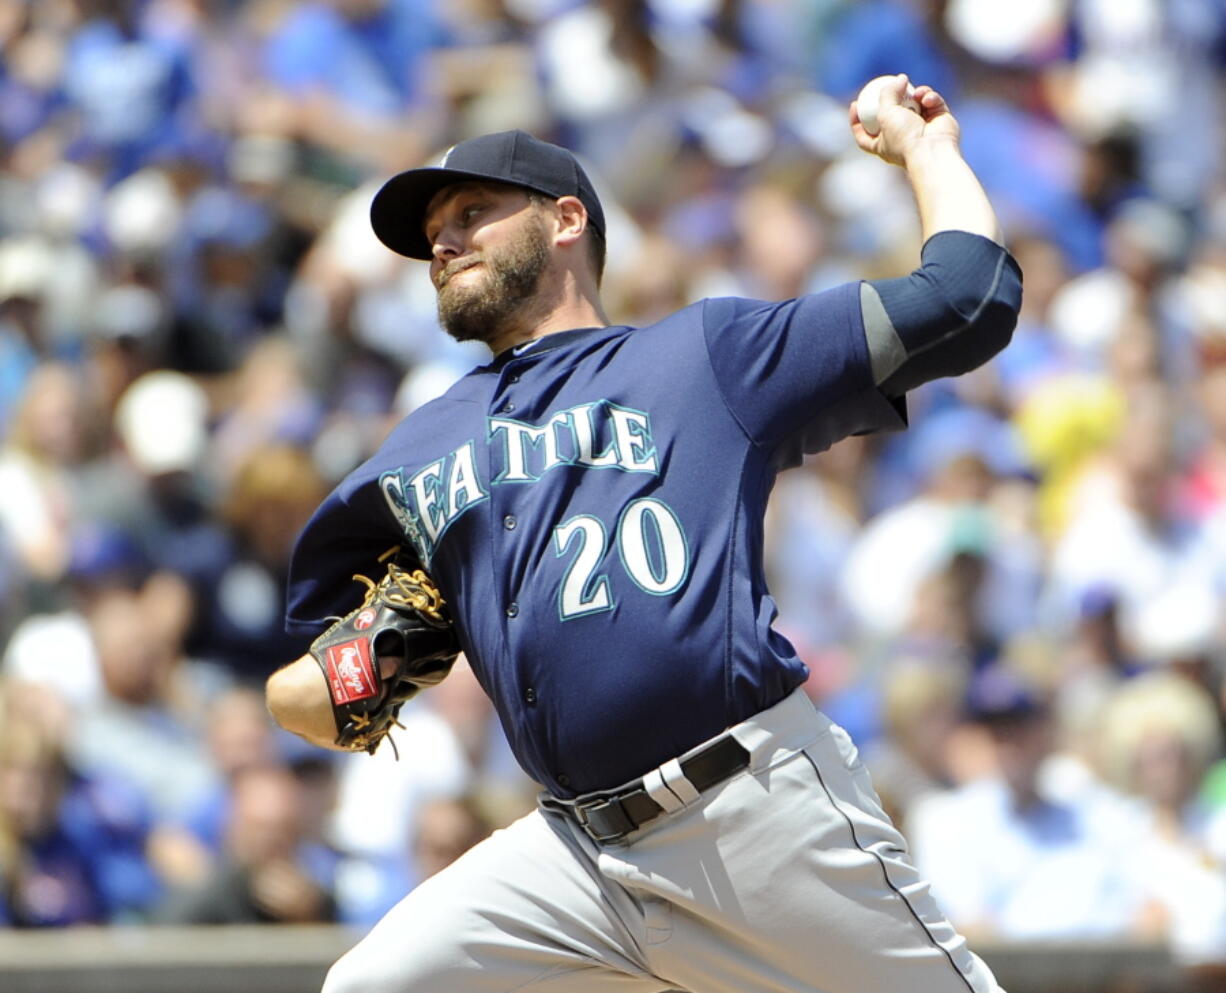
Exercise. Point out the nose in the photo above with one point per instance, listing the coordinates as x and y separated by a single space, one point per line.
442 254
446 246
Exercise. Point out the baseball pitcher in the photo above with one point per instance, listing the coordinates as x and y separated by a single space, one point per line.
583 516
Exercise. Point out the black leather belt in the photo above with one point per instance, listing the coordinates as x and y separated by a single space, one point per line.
609 817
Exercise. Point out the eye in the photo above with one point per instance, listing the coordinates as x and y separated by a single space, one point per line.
462 219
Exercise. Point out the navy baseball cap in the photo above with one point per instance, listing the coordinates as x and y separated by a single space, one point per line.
998 695
398 211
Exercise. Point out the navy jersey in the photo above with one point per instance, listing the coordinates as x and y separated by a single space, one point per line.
592 507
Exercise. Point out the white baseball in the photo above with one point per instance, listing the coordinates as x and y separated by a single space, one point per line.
870 96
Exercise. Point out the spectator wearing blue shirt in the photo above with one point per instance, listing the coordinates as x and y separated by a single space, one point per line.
133 89
364 53
876 37
268 871
1000 848
353 70
71 848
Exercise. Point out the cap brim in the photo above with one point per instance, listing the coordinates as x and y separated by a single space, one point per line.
398 211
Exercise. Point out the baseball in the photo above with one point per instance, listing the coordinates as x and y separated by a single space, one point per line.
866 102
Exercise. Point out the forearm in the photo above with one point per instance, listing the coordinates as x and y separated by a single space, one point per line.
922 138
959 308
948 194
298 700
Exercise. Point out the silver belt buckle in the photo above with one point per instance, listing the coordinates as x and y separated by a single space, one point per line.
604 820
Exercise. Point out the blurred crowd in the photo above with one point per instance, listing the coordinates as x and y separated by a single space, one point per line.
1016 607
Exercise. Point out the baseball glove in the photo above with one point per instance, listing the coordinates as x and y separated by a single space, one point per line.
402 616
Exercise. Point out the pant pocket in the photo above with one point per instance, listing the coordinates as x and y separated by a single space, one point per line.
654 912
657 920
850 781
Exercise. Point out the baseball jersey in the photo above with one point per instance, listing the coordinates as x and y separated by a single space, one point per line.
591 506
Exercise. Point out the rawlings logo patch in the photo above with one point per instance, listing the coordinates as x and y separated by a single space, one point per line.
364 620
351 676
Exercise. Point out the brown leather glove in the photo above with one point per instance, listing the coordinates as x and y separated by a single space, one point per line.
403 616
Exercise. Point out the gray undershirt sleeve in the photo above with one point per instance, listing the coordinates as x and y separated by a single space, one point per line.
947 317
885 349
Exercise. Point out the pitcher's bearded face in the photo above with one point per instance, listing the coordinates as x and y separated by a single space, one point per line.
481 292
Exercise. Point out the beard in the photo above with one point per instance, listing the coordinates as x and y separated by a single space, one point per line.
483 311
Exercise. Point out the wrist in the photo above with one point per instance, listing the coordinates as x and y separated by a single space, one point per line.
930 151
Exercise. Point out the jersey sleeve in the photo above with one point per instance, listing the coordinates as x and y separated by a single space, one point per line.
797 374
344 537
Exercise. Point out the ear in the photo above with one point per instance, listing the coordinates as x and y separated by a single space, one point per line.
572 220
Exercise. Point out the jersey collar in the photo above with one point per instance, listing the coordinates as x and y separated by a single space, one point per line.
551 342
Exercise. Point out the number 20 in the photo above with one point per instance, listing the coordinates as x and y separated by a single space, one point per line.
650 542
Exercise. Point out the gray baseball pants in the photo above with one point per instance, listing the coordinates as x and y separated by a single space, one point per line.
788 877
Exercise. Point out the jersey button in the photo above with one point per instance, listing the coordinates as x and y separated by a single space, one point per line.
563 779
513 378
530 696
508 407
509 522
512 609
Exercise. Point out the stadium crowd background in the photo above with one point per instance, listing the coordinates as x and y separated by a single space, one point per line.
1016 607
